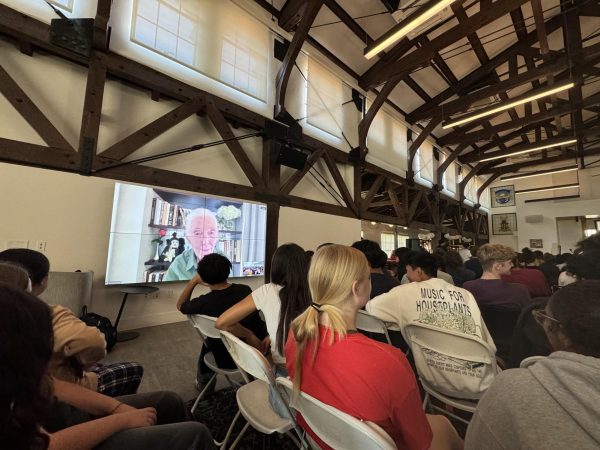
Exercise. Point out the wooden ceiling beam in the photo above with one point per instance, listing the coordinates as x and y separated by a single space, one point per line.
30 112
349 21
291 14
310 10
481 72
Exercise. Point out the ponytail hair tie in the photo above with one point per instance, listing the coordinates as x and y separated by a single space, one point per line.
316 306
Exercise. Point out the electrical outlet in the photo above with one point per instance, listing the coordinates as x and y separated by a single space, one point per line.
152 295
170 293
40 246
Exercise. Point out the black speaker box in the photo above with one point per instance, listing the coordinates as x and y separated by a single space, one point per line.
288 156
413 244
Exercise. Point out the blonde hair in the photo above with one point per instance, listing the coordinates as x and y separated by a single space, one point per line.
14 275
333 271
489 254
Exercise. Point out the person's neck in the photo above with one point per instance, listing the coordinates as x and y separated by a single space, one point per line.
490 276
219 287
376 270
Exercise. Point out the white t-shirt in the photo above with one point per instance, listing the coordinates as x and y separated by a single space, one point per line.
465 254
266 299
439 304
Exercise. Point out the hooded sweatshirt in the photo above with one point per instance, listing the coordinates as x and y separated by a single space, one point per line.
552 404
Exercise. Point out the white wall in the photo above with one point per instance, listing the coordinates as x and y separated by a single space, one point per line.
550 210
310 229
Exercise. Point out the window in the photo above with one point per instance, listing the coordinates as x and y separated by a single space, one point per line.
63 4
401 240
423 164
471 190
387 143
387 243
449 176
216 38
324 99
485 198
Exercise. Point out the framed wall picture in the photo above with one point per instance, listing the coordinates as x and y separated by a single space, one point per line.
502 196
504 223
536 243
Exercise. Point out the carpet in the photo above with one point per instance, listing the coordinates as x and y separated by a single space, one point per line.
217 410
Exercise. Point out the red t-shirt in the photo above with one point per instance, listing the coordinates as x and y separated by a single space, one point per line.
368 380
533 279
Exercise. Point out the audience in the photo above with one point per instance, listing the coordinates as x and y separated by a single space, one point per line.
465 253
473 262
532 278
438 254
584 264
381 282
77 346
553 403
328 359
15 276
550 270
454 266
435 302
401 253
281 301
40 412
490 289
213 271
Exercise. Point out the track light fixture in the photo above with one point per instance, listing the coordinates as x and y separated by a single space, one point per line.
538 173
397 32
529 149
507 105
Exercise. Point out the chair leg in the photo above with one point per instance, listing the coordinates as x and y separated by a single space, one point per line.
426 401
223 443
239 437
202 393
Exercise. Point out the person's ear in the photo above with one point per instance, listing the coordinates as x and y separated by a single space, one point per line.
355 289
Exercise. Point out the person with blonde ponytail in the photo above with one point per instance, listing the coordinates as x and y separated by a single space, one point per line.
330 360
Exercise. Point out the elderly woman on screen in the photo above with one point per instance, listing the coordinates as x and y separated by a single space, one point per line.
202 233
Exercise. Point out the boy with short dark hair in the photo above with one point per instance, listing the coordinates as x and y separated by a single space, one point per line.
213 271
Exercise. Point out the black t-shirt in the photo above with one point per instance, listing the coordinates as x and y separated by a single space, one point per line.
382 283
214 304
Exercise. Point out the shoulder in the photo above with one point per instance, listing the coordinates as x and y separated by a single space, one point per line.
266 294
242 288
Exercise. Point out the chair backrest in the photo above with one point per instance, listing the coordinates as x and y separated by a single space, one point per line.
72 290
247 358
205 325
334 427
371 324
501 322
456 364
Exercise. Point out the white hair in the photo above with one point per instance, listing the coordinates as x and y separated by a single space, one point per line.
198 212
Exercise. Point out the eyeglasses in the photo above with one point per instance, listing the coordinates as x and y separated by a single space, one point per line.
540 315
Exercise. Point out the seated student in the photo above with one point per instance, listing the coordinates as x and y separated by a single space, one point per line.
328 359
435 302
465 252
473 262
213 271
40 412
490 289
454 266
584 264
555 402
439 258
77 346
549 269
15 276
529 276
281 300
381 282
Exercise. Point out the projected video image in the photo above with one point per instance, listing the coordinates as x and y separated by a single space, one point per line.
159 235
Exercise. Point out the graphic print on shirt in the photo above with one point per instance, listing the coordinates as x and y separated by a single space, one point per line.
447 309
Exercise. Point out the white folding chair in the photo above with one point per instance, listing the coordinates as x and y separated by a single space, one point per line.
253 397
205 326
336 428
453 367
371 324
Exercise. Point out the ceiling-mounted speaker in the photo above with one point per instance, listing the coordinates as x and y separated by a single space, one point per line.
280 48
288 156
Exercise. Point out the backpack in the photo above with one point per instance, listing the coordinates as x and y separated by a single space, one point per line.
103 324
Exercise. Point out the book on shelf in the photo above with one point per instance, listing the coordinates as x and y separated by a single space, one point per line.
167 214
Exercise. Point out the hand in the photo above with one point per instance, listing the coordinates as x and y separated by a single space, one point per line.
123 408
138 418
265 346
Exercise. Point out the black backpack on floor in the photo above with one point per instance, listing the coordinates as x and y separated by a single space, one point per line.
103 324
